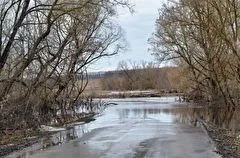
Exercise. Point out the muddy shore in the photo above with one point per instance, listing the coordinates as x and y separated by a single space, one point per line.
24 142
227 142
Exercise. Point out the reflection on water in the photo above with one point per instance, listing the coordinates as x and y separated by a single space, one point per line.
189 115
58 138
221 117
158 109
144 113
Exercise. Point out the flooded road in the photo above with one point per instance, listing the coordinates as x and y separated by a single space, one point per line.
135 128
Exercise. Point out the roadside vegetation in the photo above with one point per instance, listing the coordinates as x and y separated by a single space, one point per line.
45 48
202 38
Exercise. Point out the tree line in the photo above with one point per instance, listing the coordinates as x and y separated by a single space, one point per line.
143 76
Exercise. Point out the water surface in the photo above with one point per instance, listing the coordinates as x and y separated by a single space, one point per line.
136 127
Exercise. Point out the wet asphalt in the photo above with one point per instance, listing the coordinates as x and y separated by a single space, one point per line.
135 128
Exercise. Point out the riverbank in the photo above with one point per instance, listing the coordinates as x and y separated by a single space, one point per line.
22 139
227 142
18 144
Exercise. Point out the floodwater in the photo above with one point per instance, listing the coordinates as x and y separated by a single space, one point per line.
135 128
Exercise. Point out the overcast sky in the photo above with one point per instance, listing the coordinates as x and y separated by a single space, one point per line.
138 28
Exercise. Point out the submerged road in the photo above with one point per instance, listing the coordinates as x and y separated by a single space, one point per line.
135 128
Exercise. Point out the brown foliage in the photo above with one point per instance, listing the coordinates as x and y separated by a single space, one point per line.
163 79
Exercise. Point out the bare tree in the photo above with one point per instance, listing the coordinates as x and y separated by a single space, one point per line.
45 49
203 37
